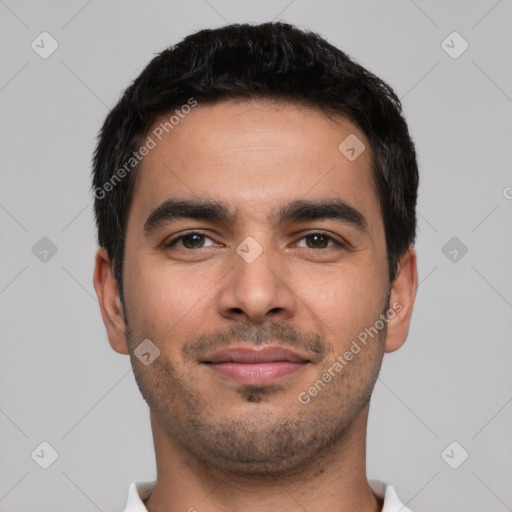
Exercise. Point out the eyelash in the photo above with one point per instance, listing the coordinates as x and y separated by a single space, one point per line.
173 241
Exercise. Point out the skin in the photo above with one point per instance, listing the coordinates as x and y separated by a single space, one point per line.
221 445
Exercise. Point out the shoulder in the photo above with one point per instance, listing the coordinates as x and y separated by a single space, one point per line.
392 502
137 493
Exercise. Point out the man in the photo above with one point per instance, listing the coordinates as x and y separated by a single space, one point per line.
255 201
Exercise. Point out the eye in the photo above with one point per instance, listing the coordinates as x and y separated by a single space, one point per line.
192 240
195 240
320 240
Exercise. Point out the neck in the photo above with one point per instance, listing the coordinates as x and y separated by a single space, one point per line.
336 480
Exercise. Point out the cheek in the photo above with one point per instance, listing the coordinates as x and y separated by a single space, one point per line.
159 295
347 300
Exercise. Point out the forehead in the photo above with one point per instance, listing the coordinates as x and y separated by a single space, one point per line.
255 155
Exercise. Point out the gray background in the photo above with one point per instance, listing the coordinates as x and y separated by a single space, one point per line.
60 380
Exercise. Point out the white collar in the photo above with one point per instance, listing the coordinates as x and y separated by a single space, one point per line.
139 491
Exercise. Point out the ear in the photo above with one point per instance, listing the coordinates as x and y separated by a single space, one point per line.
109 299
403 294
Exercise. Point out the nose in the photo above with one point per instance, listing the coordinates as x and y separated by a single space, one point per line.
257 291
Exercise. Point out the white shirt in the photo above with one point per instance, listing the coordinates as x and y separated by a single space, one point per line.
139 491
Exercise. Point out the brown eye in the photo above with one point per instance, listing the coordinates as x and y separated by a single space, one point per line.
320 241
317 241
191 241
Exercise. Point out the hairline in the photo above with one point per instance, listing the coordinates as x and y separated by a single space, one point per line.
332 116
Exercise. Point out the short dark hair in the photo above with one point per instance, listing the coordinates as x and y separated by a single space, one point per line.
275 61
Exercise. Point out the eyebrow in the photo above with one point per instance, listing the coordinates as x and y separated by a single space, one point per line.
295 211
173 209
336 209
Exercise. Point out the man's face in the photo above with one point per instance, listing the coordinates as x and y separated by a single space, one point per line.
260 278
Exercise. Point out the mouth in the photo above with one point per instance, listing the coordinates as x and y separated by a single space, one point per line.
255 366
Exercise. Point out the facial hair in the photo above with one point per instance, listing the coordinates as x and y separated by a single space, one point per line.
266 441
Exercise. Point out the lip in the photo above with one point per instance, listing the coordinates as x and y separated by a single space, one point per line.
255 366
